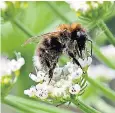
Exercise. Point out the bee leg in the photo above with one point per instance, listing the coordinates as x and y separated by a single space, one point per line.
50 75
81 54
74 59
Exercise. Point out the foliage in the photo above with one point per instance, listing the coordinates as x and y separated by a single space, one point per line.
23 20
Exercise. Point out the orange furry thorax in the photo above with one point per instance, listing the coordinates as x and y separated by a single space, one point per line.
70 28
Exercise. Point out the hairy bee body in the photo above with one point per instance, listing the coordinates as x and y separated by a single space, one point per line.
68 39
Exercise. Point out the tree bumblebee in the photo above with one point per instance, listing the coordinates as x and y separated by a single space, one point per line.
67 39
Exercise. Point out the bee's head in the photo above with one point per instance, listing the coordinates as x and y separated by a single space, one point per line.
80 35
77 32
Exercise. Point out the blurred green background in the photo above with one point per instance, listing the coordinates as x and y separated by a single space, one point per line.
38 18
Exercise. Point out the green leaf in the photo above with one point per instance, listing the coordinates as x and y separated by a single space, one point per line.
33 105
106 30
85 108
21 107
106 91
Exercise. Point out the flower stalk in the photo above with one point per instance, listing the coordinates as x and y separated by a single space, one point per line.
106 91
101 57
19 106
85 108
106 30
25 104
22 27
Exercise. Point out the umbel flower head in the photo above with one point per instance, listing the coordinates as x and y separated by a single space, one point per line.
9 9
9 71
92 11
67 81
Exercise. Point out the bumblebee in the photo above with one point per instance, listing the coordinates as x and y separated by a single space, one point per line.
67 39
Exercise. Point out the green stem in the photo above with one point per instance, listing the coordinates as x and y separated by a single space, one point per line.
22 27
85 108
19 106
101 57
35 105
106 30
58 12
106 91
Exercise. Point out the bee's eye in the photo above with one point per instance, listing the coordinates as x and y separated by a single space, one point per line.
81 34
78 34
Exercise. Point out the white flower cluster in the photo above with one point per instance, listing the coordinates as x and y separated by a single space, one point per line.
2 5
108 51
103 72
9 66
83 6
62 84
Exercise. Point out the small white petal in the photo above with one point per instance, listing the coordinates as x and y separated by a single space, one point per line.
5 69
81 61
77 73
42 91
30 92
57 73
14 65
85 62
26 92
33 77
57 92
21 61
72 68
75 89
43 94
41 76
89 61
9 66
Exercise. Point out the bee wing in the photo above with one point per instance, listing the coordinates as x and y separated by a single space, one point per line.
36 38
31 40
